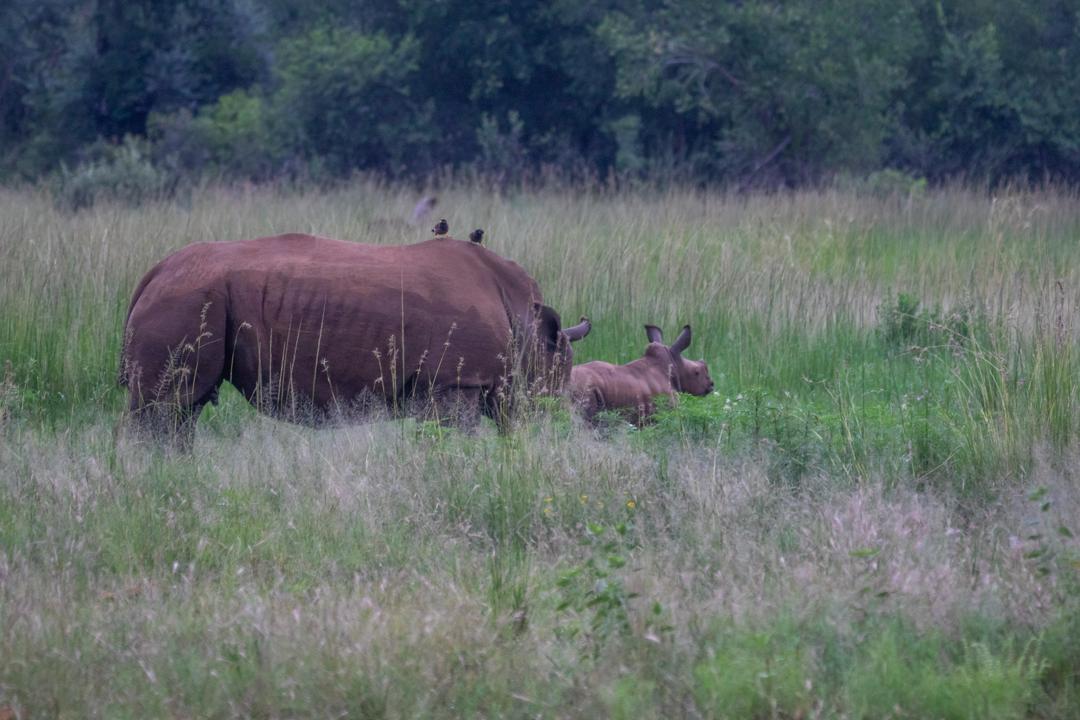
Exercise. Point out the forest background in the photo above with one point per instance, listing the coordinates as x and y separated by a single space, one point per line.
136 97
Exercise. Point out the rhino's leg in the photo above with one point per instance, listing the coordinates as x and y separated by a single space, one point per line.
459 406
587 401
591 404
498 404
166 423
170 420
171 380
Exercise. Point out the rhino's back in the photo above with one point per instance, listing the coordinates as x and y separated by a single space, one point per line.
277 278
599 385
442 269
439 308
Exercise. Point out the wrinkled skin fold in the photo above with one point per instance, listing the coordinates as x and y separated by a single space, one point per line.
310 329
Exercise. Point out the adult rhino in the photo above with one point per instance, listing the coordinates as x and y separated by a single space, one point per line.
307 327
631 389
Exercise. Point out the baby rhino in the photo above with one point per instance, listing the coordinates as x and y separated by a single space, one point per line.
630 389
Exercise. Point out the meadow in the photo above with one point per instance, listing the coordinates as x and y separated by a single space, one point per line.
874 516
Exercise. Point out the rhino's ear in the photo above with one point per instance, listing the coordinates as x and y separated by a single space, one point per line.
655 334
573 334
682 342
548 325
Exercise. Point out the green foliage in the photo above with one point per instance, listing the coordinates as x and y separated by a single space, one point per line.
887 183
9 396
594 600
991 88
902 324
748 674
1047 540
30 33
502 152
752 93
780 92
233 138
122 173
629 155
905 673
842 530
98 71
1053 367
630 698
1061 653
345 99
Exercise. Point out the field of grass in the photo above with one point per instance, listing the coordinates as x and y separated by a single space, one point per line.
874 516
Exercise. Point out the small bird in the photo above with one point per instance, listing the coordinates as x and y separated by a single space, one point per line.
477 236
441 227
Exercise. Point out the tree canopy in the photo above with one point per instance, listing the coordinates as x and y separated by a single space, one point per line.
750 93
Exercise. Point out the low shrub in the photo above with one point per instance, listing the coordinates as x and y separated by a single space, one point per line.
117 173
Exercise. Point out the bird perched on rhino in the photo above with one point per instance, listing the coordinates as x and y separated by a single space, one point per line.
477 236
441 228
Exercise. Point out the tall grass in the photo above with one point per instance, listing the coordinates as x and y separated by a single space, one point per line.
874 515
283 572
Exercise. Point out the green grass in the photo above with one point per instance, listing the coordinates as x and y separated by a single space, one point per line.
874 516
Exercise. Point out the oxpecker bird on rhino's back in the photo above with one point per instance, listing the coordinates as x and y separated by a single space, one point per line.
309 328
632 389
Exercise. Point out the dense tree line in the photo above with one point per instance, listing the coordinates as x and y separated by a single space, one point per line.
758 92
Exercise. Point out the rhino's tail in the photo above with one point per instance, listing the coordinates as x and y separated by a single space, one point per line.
122 370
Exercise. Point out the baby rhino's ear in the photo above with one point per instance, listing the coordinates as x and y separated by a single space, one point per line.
654 334
682 342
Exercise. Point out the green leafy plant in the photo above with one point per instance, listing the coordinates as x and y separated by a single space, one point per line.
1045 553
595 601
902 323
754 675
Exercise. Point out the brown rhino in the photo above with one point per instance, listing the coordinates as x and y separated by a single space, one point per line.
306 327
630 389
